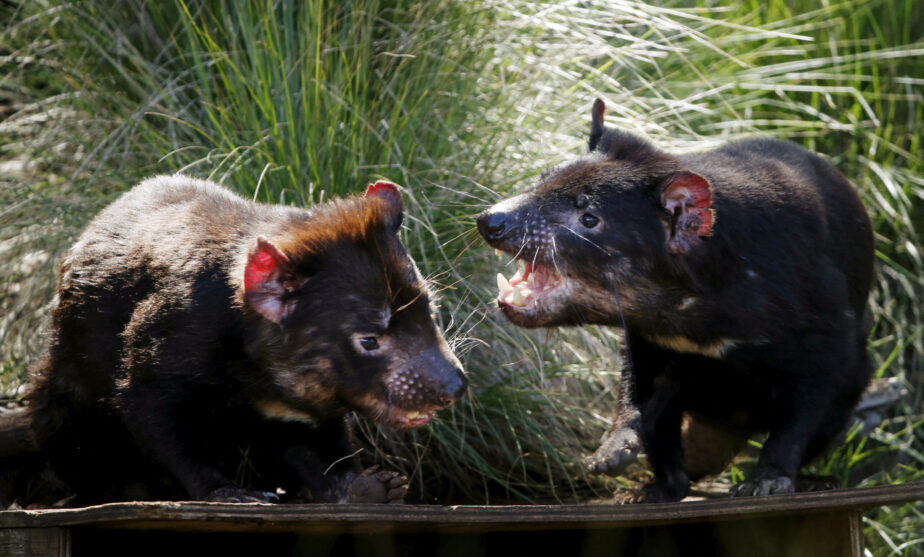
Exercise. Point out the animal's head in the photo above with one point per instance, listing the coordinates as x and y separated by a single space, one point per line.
590 234
345 317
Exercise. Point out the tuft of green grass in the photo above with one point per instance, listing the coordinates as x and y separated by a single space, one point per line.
464 104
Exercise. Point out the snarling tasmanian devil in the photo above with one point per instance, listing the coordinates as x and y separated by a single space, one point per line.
205 346
740 274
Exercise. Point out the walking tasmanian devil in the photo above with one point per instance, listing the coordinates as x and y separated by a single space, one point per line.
740 276
209 347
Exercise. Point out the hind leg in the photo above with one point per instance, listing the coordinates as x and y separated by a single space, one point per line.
834 424
824 381
831 428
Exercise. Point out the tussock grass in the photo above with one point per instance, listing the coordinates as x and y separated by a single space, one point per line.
463 104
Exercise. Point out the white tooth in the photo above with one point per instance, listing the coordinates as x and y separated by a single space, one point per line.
518 299
413 415
521 266
503 285
498 252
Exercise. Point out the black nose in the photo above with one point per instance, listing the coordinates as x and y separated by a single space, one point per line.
492 225
454 388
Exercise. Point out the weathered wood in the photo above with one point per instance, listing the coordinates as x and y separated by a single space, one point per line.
856 533
802 525
15 434
813 535
370 518
36 542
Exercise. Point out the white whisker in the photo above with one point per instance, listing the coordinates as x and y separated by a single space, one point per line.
555 256
522 246
588 240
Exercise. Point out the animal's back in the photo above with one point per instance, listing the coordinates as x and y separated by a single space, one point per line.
164 221
802 198
122 262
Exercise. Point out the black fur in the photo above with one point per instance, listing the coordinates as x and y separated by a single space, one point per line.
167 375
741 274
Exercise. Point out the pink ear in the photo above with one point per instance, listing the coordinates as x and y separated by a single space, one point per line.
267 276
388 191
688 197
382 187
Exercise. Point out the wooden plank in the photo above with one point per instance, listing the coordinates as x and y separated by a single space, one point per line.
197 516
36 542
824 534
813 535
856 534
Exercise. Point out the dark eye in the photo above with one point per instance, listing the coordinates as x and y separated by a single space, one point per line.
369 343
589 221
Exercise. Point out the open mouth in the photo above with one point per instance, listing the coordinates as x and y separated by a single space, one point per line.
531 282
400 418
385 413
413 418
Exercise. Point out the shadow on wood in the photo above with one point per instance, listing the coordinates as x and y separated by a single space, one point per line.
811 524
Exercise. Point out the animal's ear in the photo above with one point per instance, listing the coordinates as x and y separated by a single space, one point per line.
687 198
596 125
388 192
268 276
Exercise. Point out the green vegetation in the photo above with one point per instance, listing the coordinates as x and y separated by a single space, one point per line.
462 103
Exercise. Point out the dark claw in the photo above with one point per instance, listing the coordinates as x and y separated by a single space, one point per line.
762 485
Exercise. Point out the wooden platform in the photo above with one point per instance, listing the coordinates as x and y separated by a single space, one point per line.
811 524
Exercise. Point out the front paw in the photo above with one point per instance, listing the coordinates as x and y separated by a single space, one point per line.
377 486
231 494
620 448
763 484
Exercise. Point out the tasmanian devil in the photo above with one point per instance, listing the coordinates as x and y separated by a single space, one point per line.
740 276
205 346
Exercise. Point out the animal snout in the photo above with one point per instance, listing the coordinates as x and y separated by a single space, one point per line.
434 379
453 388
492 224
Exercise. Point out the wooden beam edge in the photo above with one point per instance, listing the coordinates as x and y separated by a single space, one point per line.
225 516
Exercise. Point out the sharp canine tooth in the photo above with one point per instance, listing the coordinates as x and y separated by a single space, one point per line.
518 296
413 415
521 265
503 285
498 252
